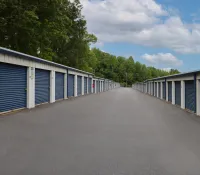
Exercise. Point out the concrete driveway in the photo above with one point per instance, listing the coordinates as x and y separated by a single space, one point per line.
120 132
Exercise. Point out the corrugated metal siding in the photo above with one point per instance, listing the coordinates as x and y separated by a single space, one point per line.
164 90
79 85
13 84
85 85
70 85
170 91
59 86
189 95
90 85
178 93
42 86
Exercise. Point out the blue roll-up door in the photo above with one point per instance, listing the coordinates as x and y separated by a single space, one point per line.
164 90
85 85
59 86
97 86
79 85
90 85
42 86
155 89
94 86
170 91
150 87
159 89
70 85
190 95
13 84
178 93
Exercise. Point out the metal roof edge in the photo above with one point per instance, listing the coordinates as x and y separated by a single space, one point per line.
175 75
37 59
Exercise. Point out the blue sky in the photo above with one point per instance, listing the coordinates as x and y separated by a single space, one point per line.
160 33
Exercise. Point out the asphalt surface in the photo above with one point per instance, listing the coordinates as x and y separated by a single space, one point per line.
120 132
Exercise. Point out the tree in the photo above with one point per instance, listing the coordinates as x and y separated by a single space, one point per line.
51 29
56 30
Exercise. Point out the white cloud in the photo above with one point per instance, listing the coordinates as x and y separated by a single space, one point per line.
166 59
166 69
143 22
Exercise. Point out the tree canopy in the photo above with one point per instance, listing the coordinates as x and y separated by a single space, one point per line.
123 69
56 30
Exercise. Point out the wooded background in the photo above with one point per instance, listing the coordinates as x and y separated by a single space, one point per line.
56 30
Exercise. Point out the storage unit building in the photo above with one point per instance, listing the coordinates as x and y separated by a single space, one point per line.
13 85
42 86
27 81
178 93
59 86
79 85
170 91
85 85
190 95
70 87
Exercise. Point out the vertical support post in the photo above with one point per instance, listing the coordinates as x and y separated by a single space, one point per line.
157 95
183 94
52 87
198 96
30 87
75 85
195 92
166 84
161 90
65 85
173 92
83 84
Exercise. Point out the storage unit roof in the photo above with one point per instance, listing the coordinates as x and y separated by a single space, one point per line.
175 75
36 59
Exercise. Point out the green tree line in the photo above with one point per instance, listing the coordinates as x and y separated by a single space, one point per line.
124 70
56 30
